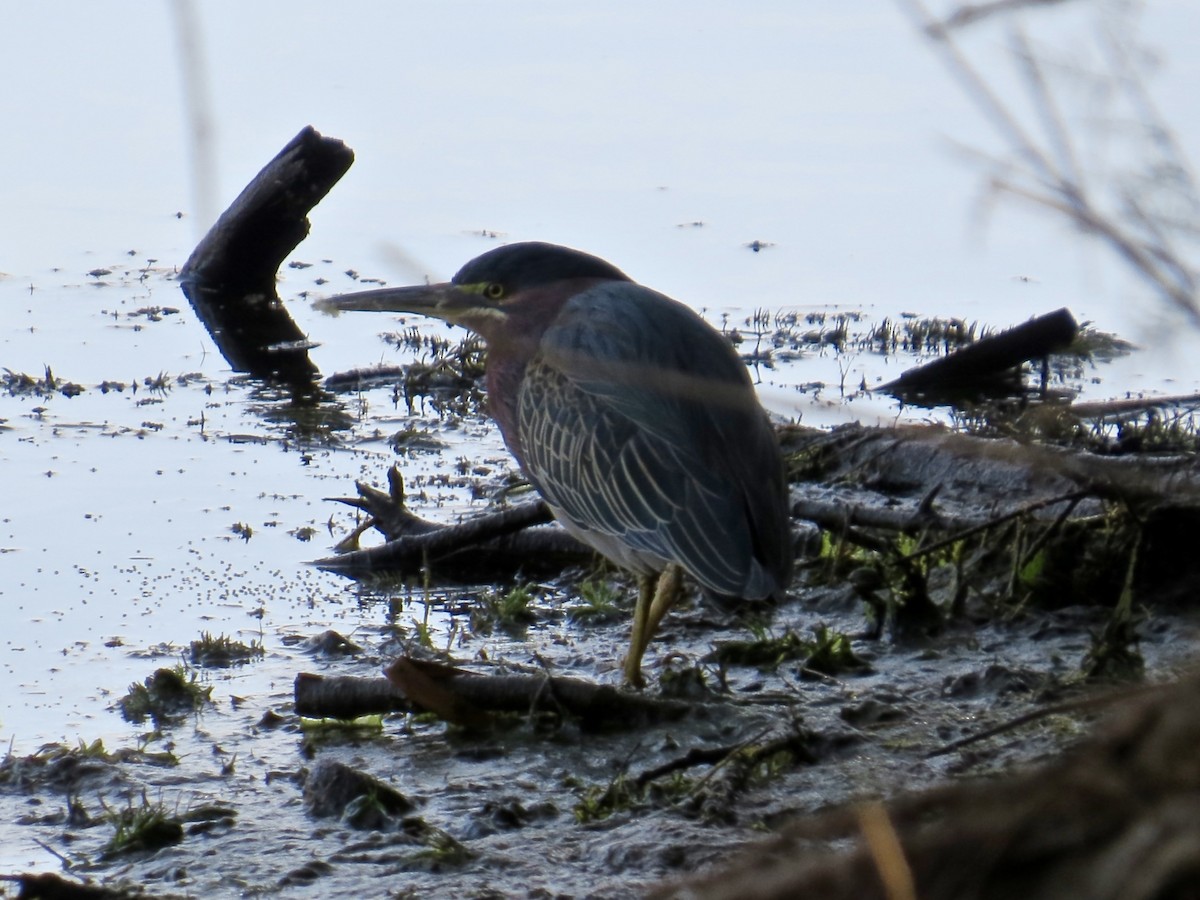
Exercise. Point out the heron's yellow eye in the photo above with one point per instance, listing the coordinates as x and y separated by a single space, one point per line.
493 290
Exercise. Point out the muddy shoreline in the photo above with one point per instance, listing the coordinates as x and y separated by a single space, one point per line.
206 490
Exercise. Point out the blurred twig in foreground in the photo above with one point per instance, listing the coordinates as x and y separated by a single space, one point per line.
1148 219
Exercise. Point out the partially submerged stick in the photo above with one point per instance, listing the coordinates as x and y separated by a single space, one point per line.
500 544
230 276
988 358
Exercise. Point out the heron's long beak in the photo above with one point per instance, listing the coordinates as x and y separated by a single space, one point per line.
446 301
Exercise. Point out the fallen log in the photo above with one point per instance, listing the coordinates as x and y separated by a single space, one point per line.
986 360
50 886
883 480
473 700
1132 407
230 277
994 474
346 697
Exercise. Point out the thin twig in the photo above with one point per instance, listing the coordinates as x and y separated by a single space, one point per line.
971 13
883 844
1069 175
977 87
1081 705
1044 537
1073 498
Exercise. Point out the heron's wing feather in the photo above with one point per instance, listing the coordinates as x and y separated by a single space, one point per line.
640 422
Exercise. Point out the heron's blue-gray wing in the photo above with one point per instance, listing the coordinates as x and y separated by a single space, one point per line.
640 423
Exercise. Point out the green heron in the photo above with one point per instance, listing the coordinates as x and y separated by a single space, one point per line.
633 418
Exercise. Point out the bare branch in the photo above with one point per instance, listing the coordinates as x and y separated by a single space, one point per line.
971 13
1144 227
1071 181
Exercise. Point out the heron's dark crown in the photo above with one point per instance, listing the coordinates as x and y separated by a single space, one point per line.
534 264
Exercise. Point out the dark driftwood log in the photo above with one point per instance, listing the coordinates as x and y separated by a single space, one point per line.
496 545
230 277
992 474
1133 407
872 478
346 697
470 699
1117 818
988 358
49 886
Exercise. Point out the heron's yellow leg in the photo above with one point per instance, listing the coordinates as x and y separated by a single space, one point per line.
654 600
637 638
